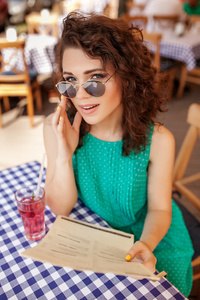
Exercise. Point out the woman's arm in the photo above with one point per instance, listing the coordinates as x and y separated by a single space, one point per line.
60 140
158 217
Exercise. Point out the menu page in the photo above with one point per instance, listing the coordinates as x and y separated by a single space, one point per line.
83 246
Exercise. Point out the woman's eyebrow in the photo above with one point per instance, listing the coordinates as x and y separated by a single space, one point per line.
94 70
86 72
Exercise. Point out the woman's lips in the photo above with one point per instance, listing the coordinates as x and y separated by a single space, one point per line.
88 108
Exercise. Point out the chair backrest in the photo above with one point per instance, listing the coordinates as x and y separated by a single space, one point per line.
194 23
193 119
137 21
42 25
132 6
165 69
111 9
183 157
10 54
171 18
152 40
164 22
193 19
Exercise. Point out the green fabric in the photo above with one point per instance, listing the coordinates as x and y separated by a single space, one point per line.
115 188
190 10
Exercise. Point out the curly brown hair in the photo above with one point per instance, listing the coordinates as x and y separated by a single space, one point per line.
114 42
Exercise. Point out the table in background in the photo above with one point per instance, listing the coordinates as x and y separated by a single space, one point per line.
185 49
24 278
39 52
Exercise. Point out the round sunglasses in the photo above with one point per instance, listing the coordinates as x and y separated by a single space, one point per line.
94 88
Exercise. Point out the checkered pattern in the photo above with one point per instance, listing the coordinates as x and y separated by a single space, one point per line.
39 53
23 278
185 49
40 49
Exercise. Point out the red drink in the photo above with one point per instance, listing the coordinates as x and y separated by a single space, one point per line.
32 214
31 209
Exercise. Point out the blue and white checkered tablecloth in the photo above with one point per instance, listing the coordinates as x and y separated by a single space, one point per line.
24 278
40 50
185 48
39 53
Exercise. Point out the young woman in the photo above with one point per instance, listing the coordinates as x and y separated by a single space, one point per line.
107 148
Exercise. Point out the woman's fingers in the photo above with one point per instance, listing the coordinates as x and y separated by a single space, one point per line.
138 247
143 254
60 114
77 121
150 265
63 101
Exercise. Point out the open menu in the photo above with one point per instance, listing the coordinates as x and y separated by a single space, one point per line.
83 246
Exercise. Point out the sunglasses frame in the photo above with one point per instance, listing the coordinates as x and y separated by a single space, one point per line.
76 85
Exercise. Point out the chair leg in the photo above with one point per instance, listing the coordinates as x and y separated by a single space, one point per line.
171 77
1 125
183 77
168 77
38 99
196 263
6 103
37 95
30 107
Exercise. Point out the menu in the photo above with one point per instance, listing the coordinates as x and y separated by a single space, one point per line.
82 246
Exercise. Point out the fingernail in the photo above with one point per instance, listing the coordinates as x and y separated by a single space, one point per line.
58 107
128 257
60 118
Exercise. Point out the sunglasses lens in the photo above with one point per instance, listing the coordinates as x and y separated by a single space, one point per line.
66 89
94 88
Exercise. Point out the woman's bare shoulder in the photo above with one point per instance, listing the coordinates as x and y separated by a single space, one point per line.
162 141
161 134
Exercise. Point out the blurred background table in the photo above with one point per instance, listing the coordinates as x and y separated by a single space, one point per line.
39 53
23 278
185 48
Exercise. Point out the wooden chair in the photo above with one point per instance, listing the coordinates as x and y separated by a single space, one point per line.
179 181
36 23
195 264
111 9
193 20
137 21
193 76
193 226
153 42
181 163
164 21
131 5
15 83
166 67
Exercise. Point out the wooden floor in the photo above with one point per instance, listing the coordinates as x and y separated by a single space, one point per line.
19 143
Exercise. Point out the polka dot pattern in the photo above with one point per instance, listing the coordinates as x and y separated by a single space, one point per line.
115 188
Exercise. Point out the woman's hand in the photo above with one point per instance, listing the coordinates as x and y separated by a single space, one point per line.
67 134
143 254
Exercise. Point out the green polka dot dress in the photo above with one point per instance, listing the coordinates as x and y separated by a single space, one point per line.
115 188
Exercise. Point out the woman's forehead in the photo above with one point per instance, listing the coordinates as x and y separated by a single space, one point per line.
76 58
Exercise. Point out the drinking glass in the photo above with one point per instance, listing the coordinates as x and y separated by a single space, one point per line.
31 206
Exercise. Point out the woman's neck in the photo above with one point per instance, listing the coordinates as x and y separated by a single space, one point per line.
107 135
108 131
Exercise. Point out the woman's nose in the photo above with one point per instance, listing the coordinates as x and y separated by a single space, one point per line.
81 92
